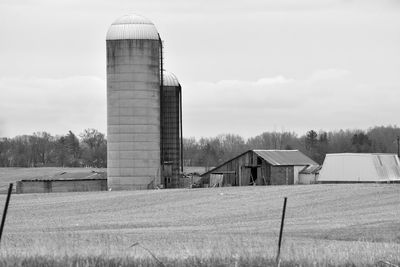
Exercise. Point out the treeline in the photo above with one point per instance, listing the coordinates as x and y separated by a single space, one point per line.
89 149
316 144
41 149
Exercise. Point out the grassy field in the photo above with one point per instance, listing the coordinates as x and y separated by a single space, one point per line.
326 225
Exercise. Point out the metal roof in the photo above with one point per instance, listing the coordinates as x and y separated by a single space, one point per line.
78 176
170 79
312 169
132 27
285 157
64 179
360 167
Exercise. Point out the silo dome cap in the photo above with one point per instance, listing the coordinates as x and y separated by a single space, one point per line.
132 27
169 79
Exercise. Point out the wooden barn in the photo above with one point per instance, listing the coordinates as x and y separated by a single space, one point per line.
259 167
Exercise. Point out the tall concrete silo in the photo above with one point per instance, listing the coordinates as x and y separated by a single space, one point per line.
133 104
171 118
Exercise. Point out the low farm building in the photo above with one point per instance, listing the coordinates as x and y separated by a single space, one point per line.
64 182
309 175
360 168
259 167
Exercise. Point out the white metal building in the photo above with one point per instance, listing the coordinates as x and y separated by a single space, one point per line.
360 168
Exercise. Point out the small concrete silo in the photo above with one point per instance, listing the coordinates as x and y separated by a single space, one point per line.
133 104
171 118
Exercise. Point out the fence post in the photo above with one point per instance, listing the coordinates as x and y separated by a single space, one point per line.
281 232
3 220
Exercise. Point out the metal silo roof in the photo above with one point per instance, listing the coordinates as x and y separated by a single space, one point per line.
132 27
170 79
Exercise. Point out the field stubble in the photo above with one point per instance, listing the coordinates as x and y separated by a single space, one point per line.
325 225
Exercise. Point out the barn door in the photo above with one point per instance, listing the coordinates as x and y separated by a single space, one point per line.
245 176
253 175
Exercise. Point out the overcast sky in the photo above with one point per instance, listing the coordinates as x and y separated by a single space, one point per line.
245 66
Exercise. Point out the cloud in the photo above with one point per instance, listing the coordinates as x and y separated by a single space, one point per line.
326 99
270 92
54 105
2 127
236 93
328 74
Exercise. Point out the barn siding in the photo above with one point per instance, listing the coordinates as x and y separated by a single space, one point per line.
234 166
265 172
281 175
240 175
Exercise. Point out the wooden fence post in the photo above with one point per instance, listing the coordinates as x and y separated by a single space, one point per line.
281 232
3 220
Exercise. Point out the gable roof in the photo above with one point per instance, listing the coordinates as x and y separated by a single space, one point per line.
285 157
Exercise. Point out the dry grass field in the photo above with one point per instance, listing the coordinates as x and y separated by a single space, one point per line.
326 225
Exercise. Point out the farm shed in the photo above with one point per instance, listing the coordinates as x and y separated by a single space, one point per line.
309 175
260 167
360 168
65 182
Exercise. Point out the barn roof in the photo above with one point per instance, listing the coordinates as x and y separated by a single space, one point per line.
285 157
